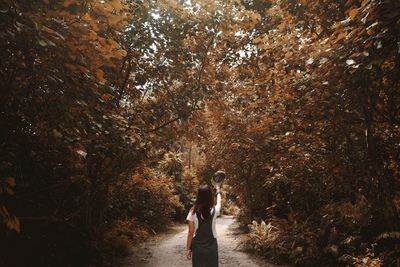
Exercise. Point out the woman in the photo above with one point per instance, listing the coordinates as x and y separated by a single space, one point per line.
203 247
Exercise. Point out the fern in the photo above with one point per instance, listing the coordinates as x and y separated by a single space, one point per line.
389 235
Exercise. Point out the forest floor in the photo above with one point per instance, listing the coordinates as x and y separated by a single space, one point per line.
168 249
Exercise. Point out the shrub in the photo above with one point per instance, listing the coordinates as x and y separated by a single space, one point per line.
149 200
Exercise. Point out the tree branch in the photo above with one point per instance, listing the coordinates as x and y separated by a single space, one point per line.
125 81
164 124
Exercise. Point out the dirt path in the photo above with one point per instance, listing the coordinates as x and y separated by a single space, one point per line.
168 250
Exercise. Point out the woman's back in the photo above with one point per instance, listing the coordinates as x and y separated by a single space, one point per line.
202 246
214 213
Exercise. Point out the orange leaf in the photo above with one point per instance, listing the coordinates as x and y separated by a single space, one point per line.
116 4
368 44
114 20
83 69
92 36
100 76
67 3
119 54
364 3
106 97
94 25
48 30
13 224
353 13
11 182
103 41
341 36
70 67
349 2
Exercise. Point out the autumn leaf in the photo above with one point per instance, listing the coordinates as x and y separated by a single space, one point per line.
71 67
11 181
106 97
297 100
341 36
13 224
100 76
353 13
48 30
68 3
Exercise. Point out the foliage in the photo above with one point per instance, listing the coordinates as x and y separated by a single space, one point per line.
263 236
306 126
292 241
9 220
81 110
297 100
150 200
172 165
186 189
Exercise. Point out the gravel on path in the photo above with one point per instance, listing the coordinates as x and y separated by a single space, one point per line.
168 250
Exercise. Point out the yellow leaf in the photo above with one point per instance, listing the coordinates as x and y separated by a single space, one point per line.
116 4
119 54
256 17
114 20
102 8
288 54
87 17
93 22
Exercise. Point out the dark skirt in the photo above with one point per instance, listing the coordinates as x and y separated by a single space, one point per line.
204 252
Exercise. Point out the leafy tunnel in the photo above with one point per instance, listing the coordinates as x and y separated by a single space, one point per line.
112 112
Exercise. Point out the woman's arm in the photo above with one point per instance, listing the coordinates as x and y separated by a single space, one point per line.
219 198
189 240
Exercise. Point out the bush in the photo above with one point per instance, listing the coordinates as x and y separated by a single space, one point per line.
145 198
285 240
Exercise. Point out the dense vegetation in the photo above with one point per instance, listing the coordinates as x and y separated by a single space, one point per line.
309 132
297 100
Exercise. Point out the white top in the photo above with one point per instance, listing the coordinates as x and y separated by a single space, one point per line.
192 216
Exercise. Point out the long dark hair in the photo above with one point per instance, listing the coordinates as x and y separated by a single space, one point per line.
204 201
